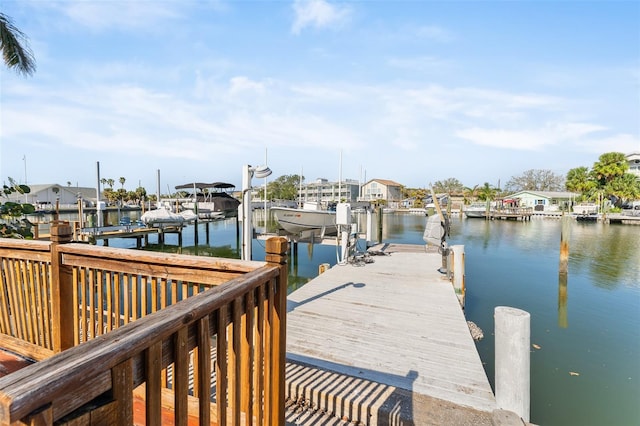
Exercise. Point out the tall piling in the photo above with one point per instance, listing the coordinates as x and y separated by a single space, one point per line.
564 244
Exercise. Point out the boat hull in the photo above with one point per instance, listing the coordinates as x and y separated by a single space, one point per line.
476 214
295 221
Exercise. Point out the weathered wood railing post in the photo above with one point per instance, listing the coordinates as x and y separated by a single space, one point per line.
276 254
61 289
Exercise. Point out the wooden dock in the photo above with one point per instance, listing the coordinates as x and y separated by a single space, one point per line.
385 343
511 214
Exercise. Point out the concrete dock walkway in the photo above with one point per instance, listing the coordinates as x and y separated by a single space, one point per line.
385 343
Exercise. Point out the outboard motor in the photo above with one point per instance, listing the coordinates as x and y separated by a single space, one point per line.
435 234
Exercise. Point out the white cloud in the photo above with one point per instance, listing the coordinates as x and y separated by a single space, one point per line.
529 139
622 142
243 84
318 14
105 15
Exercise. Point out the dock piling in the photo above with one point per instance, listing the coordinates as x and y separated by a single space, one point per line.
512 363
457 267
564 244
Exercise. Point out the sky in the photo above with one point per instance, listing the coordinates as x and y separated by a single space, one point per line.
409 91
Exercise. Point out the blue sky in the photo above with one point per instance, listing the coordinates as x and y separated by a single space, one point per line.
414 91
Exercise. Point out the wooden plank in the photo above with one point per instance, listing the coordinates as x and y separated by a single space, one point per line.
246 348
153 357
25 349
122 391
204 370
158 258
269 353
259 353
181 376
5 324
235 364
221 365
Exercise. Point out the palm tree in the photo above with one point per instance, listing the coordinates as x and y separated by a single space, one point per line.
122 180
487 192
470 193
15 48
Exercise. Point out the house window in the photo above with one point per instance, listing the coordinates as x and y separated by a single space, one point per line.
540 202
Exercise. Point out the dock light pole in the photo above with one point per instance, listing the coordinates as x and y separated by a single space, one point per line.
249 172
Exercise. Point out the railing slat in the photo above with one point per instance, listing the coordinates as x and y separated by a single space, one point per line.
268 353
76 302
99 308
259 352
153 360
235 364
122 391
180 380
247 356
5 288
221 365
204 370
32 314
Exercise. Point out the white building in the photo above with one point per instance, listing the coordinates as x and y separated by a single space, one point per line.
45 195
634 163
325 192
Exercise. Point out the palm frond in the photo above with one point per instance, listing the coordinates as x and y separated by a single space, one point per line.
15 48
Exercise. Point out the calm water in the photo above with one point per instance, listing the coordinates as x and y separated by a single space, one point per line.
590 326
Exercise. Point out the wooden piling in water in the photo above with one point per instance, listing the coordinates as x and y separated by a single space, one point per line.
563 320
564 244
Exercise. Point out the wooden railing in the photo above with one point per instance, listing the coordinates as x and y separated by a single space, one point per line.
121 339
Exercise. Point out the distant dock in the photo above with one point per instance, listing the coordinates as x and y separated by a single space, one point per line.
385 343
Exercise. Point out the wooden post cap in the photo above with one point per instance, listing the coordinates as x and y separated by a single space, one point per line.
61 231
277 245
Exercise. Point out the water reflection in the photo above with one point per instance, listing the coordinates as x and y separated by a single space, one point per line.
563 320
609 253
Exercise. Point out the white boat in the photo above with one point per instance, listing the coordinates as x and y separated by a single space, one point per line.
162 217
476 210
307 218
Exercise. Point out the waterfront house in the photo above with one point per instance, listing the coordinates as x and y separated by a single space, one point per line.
382 189
544 200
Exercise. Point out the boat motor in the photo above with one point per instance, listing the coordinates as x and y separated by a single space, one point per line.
435 234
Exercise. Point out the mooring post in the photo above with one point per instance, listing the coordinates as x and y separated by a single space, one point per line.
564 244
369 229
512 363
379 224
458 271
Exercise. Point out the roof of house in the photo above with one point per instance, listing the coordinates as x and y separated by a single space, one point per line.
384 182
85 192
546 194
